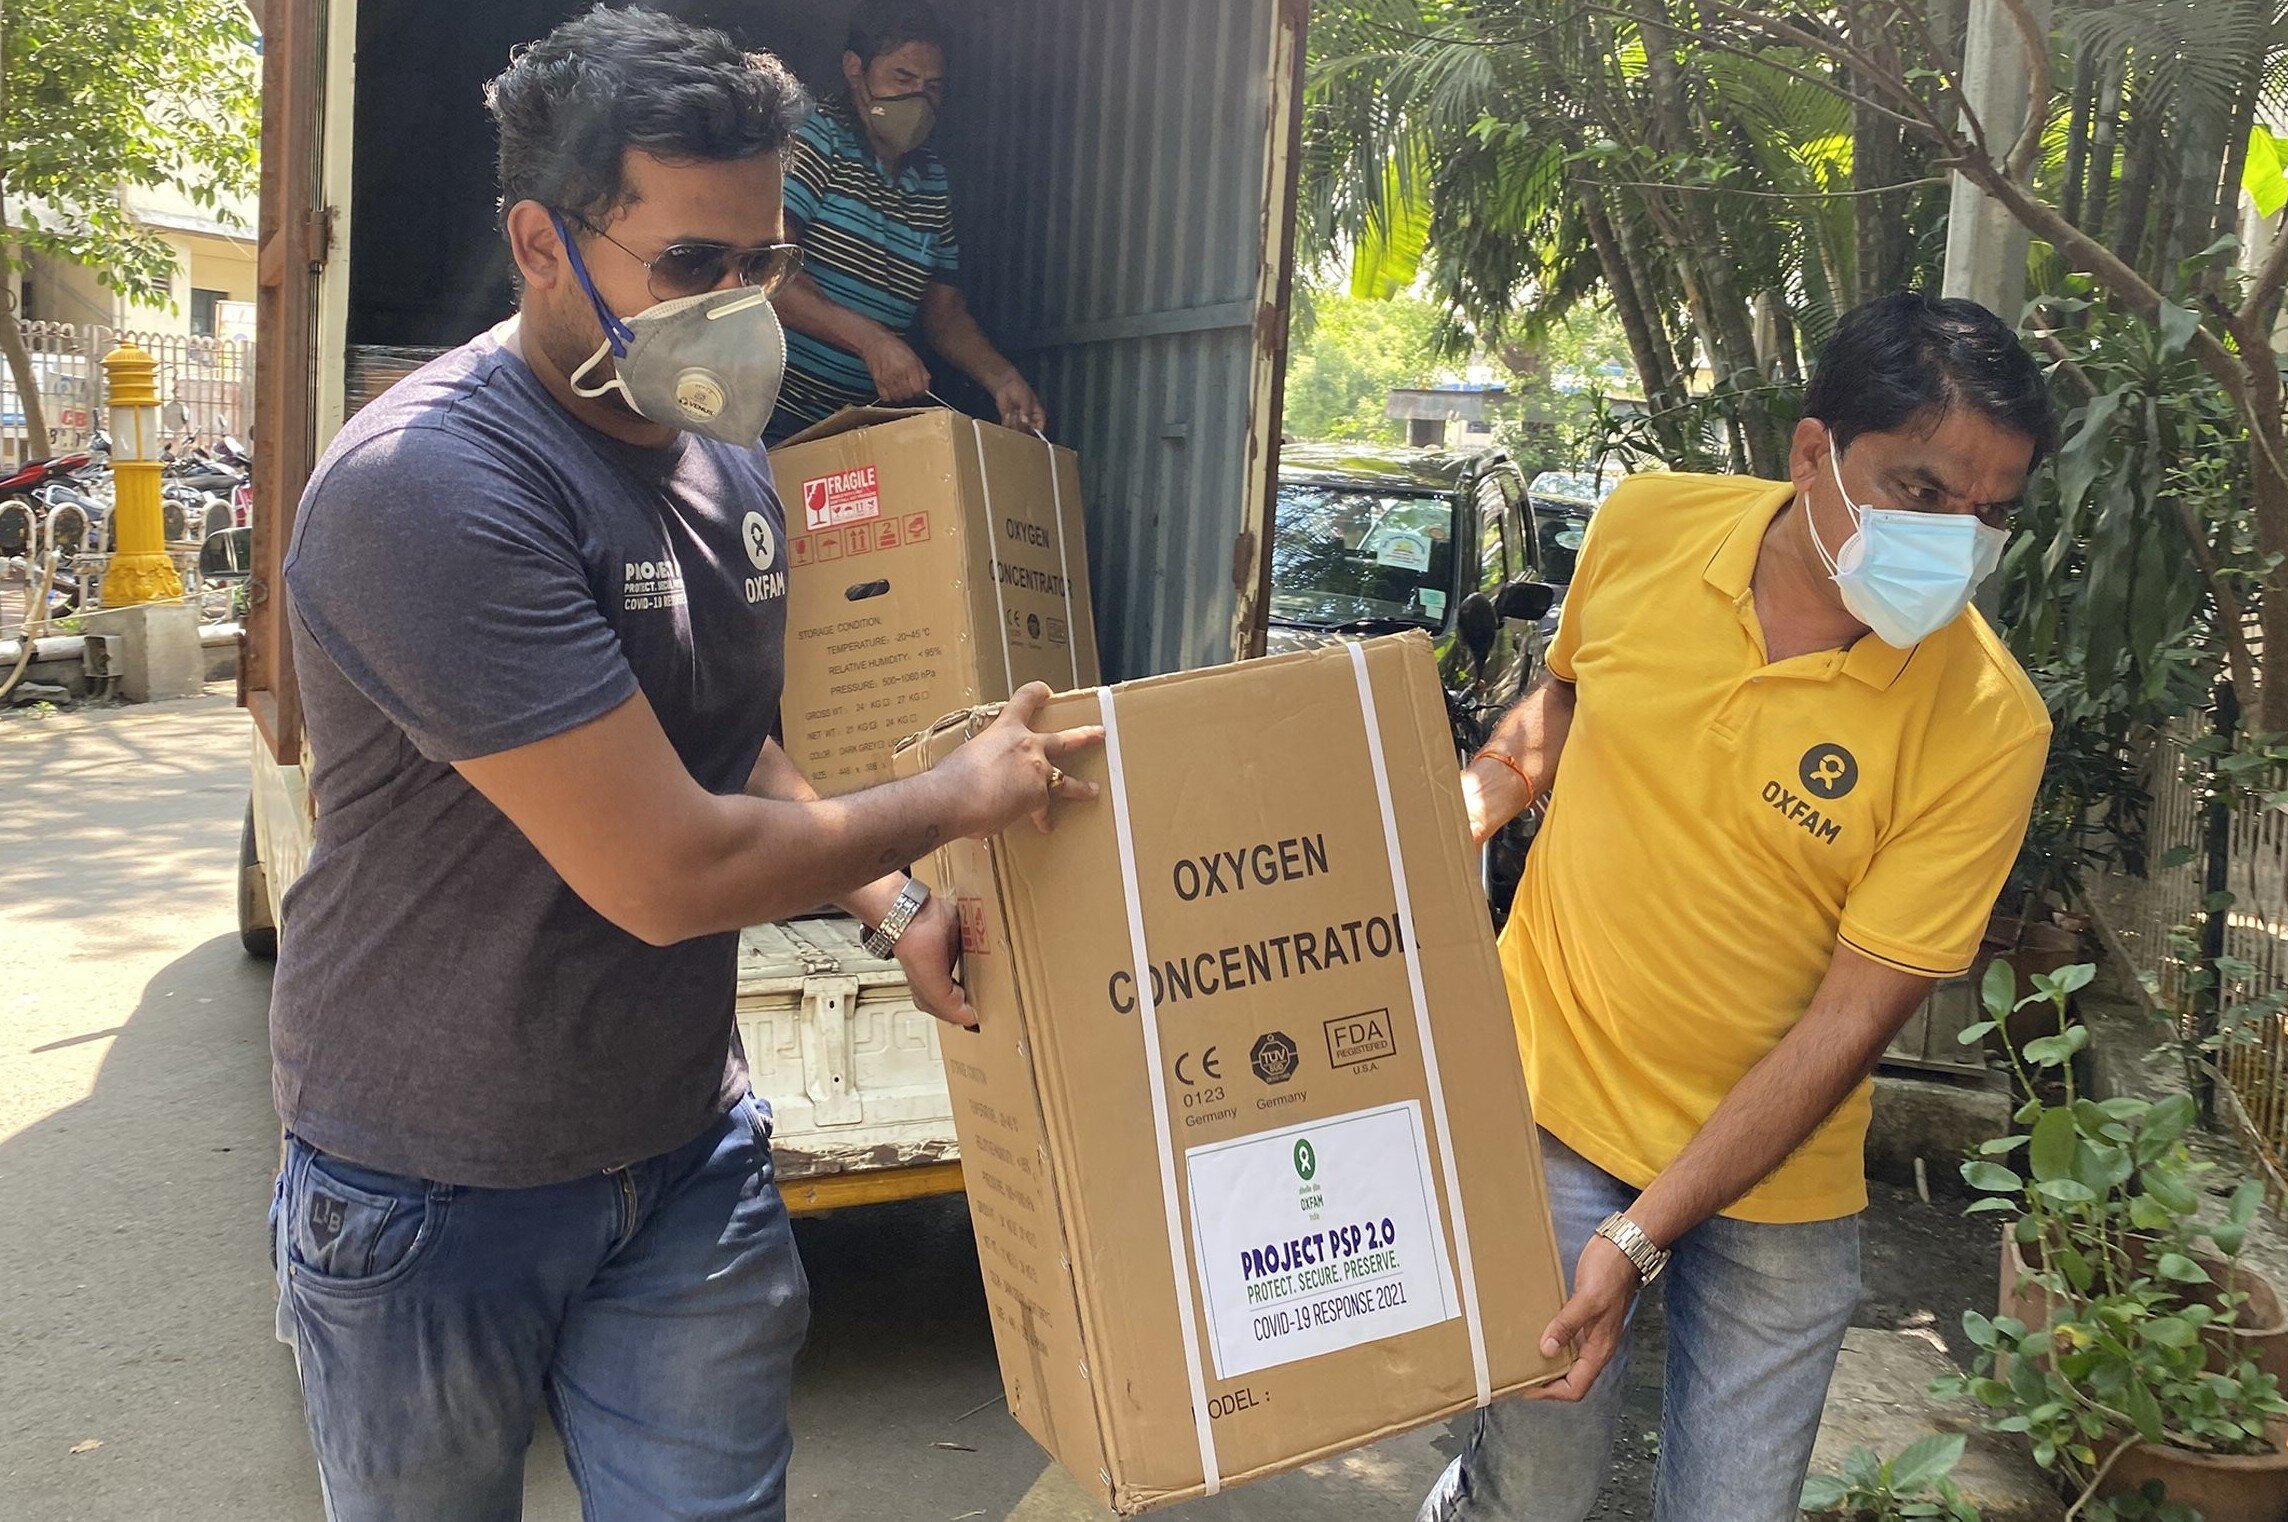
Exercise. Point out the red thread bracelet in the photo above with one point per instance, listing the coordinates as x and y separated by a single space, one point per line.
1490 754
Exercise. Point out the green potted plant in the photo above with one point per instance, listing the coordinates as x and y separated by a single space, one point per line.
2117 1352
1909 1488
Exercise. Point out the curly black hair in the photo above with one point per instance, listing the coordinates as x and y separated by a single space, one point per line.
1905 360
572 103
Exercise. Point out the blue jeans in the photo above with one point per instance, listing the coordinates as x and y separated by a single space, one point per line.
1756 1315
656 1308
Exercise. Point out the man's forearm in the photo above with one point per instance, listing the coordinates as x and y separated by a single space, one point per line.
1533 732
765 859
953 333
1784 1098
776 776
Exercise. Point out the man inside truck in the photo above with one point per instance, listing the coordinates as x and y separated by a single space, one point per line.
538 600
1772 700
873 211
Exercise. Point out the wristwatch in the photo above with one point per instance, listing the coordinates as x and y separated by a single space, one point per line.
1624 1233
882 939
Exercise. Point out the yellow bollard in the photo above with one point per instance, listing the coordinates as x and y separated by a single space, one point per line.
141 569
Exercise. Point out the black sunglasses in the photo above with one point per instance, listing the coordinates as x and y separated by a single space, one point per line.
692 269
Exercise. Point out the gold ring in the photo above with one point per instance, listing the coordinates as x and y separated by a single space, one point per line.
1056 778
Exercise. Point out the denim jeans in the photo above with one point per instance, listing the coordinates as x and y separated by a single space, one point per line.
1756 1315
656 1308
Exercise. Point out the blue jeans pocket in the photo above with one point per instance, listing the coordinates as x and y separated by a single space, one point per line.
355 1228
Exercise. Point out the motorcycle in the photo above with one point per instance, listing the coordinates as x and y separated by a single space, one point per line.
19 532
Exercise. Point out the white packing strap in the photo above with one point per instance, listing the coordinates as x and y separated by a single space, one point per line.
1470 1316
1179 1254
993 549
1064 566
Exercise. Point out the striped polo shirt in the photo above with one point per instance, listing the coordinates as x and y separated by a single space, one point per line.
872 242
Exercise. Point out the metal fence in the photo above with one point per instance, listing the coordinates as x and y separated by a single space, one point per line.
2158 919
206 386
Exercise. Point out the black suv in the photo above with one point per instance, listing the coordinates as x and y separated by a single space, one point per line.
1377 541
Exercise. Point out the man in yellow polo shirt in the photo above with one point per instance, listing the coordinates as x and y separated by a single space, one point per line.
1796 771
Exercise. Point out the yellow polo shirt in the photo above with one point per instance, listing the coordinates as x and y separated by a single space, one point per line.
1721 821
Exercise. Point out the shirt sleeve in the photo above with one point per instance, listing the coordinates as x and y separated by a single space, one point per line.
1925 898
1567 644
946 265
450 590
805 178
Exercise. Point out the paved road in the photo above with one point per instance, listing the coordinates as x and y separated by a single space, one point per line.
136 1147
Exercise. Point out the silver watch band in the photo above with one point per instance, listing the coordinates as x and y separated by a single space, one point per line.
882 940
1625 1234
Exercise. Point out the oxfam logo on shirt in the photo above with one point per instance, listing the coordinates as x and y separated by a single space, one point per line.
1306 1160
1829 771
762 544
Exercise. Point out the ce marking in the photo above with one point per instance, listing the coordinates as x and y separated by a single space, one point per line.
1209 1064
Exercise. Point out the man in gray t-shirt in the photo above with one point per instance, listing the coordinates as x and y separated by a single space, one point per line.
538 609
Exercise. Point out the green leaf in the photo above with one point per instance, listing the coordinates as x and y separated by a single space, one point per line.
2076 1268
2175 857
2048 1051
1927 1461
1823 1492
2148 1214
1971 1035
1998 1146
1979 1329
2140 1407
2170 1118
2171 1331
2055 1139
2263 174
2075 978
1991 1203
2066 1191
2245 1199
1998 991
2178 325
1991 1177
2179 1269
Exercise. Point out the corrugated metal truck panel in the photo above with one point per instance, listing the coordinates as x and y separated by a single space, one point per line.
1113 186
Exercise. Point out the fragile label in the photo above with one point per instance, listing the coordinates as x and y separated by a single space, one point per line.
847 496
1318 1237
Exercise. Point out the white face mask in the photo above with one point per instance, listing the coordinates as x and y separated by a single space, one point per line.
709 364
1906 575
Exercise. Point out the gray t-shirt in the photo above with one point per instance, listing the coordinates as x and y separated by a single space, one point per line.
474 570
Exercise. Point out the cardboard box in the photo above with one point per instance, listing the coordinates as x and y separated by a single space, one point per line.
934 562
1309 1113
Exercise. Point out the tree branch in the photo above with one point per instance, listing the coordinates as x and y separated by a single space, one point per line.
2036 43
1777 195
2265 285
1862 67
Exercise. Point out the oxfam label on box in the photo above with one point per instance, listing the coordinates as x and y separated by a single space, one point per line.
1318 1237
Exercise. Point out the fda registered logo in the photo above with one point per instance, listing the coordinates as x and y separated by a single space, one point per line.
1274 1057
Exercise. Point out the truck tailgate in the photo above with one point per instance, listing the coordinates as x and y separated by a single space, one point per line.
850 1067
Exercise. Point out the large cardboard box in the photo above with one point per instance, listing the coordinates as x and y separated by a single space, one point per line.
934 562
1246 1135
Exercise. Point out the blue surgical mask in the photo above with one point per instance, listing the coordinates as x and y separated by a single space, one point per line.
1906 575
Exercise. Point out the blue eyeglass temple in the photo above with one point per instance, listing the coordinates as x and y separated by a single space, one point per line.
616 332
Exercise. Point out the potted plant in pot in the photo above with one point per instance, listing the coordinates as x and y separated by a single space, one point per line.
2118 1352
